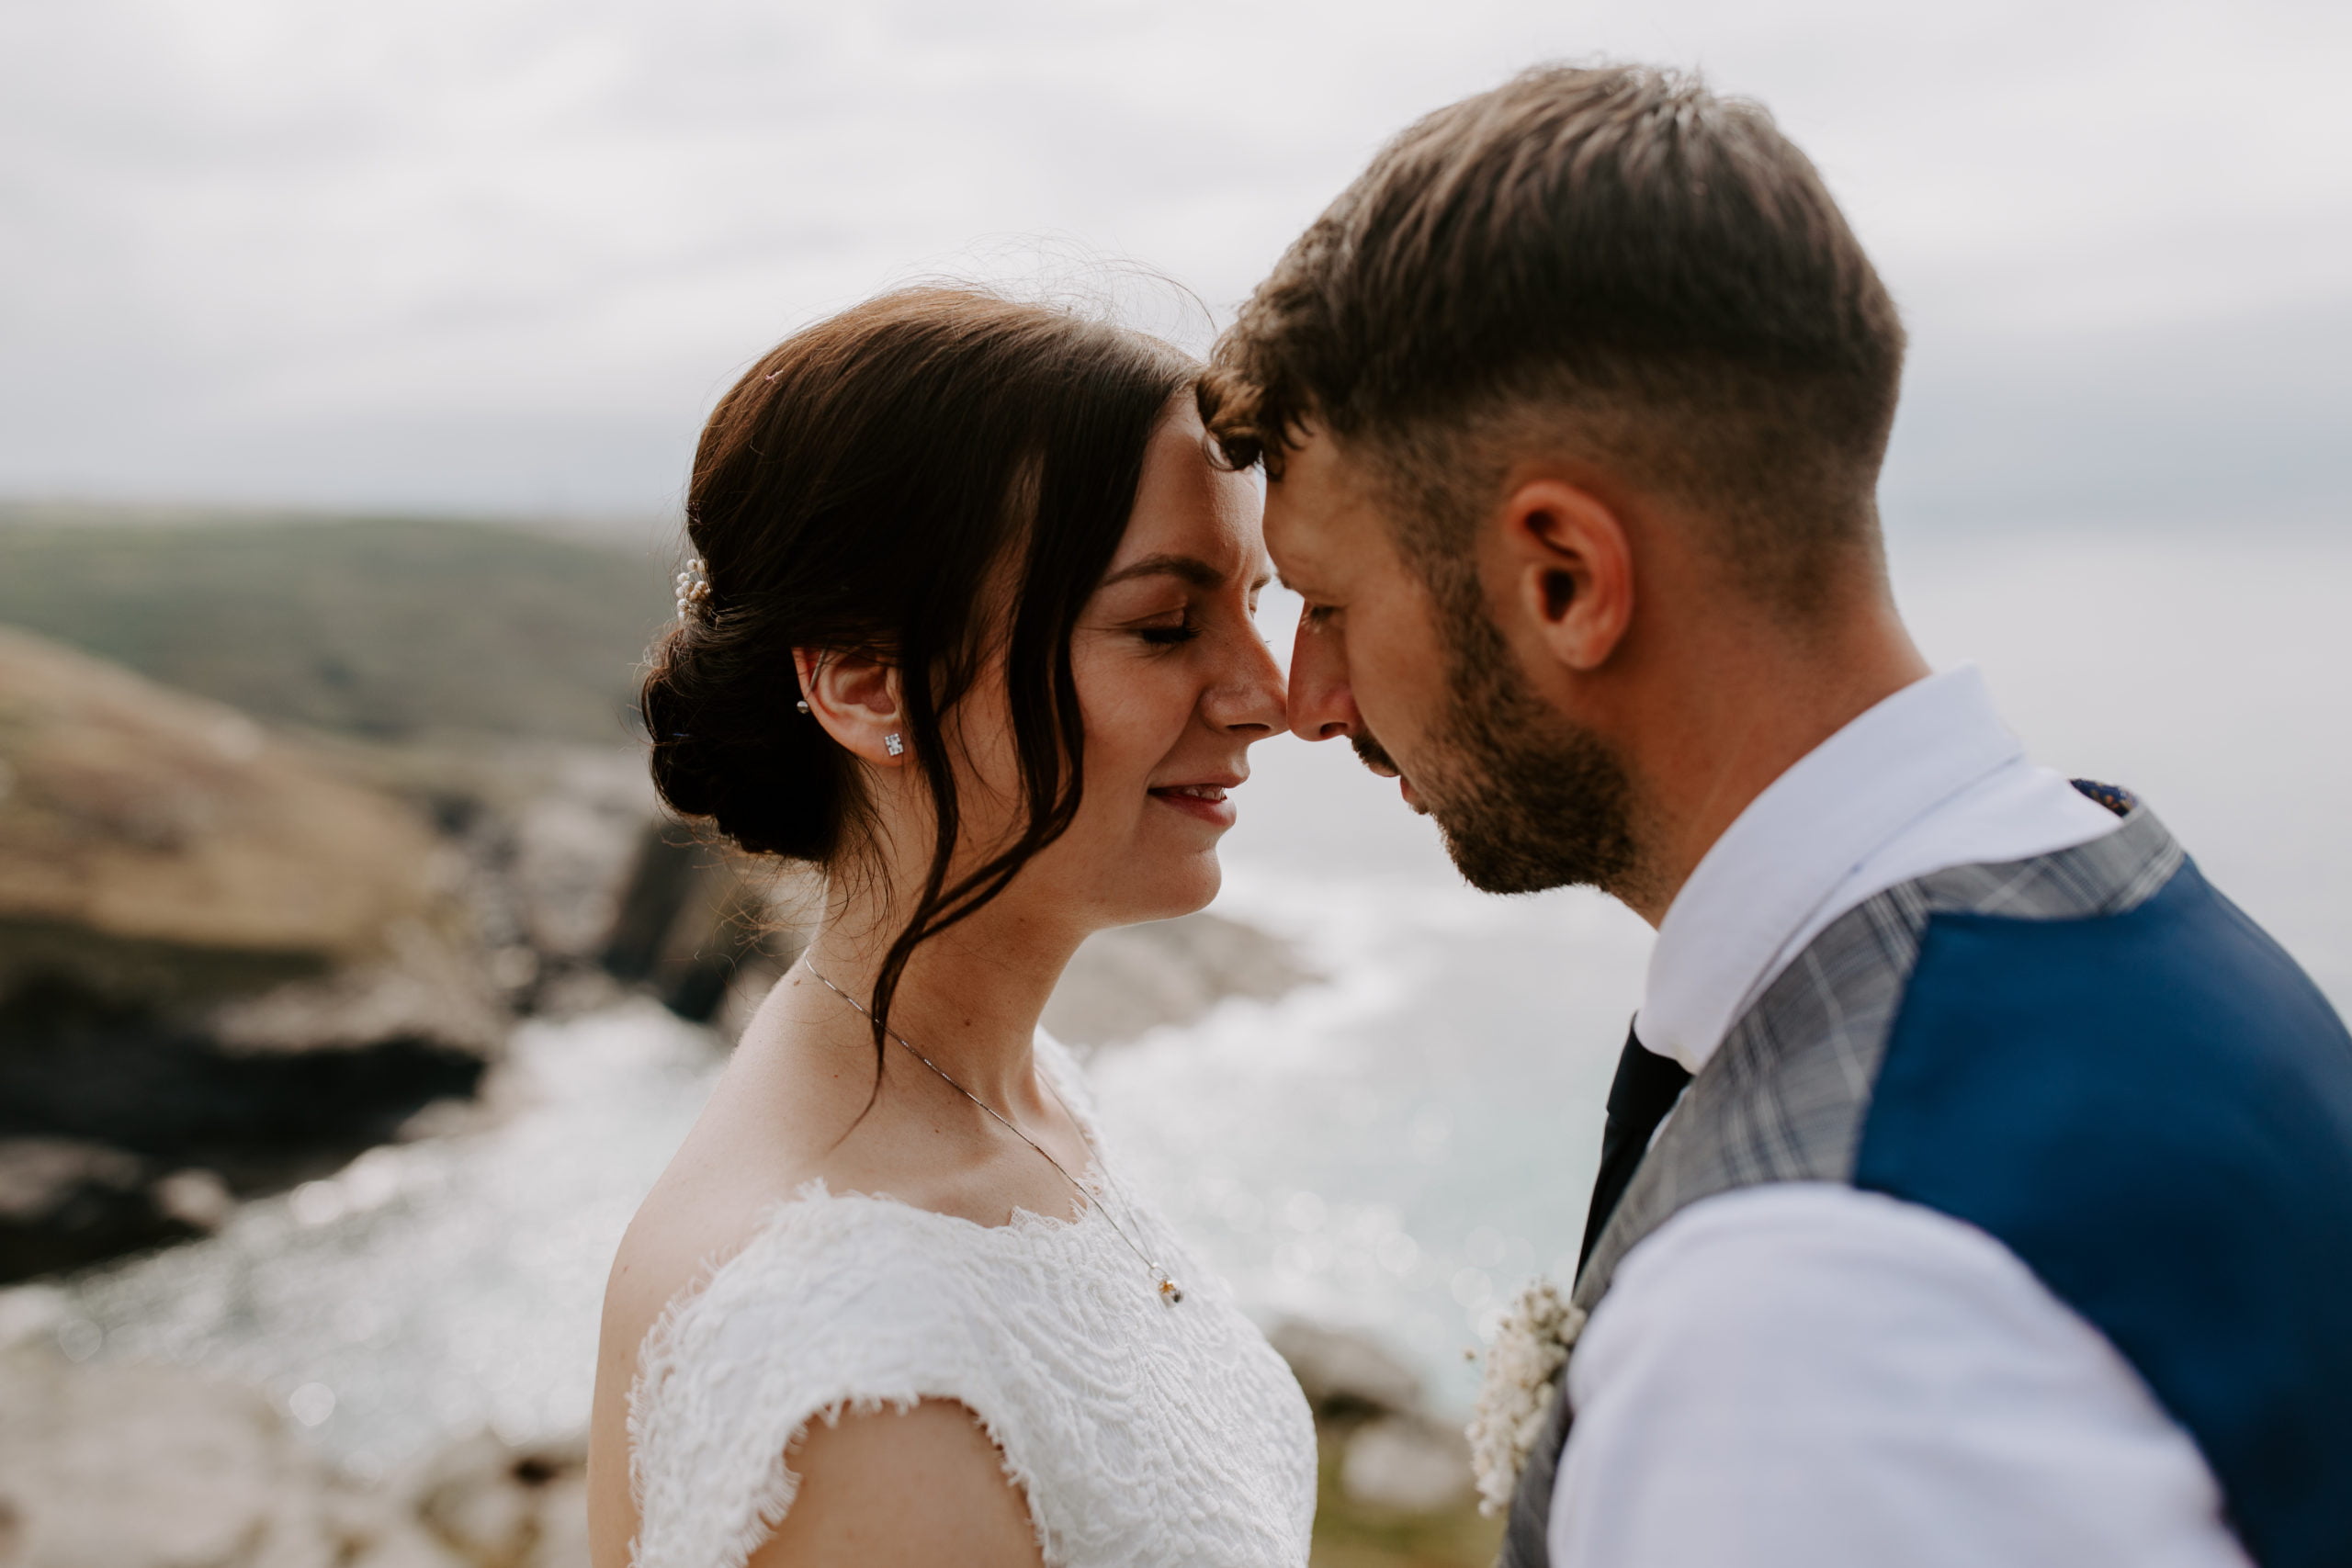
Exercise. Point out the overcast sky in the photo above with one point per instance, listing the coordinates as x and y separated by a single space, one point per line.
500 256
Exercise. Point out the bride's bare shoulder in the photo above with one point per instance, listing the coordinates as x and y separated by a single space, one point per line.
757 1140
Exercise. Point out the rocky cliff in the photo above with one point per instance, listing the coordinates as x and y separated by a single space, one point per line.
222 967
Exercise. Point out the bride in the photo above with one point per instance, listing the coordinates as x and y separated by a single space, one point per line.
971 630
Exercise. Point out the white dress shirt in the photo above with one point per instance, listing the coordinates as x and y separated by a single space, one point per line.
1804 1375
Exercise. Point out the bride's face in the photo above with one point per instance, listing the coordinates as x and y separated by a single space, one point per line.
1175 684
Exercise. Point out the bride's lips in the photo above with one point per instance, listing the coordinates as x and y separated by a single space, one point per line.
1204 800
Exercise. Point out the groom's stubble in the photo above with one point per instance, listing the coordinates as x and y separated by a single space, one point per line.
1526 798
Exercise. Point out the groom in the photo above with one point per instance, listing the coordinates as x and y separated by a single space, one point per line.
2004 1212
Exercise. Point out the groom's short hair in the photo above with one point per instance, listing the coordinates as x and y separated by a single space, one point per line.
1612 263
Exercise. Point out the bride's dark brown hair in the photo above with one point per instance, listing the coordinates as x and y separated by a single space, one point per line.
866 489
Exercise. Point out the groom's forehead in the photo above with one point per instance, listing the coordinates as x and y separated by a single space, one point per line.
1297 529
1318 510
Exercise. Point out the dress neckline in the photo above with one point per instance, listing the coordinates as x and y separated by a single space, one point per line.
815 1190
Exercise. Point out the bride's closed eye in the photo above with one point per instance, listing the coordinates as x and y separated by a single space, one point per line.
1168 634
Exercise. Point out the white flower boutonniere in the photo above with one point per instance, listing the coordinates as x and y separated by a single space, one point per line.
1534 1338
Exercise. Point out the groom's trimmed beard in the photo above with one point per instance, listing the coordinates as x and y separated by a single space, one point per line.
1526 799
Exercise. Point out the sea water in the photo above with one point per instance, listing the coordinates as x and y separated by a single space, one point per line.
1395 1147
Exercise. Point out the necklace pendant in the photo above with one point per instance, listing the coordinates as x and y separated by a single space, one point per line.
1170 1291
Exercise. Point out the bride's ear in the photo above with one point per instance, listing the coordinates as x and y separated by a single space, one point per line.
855 698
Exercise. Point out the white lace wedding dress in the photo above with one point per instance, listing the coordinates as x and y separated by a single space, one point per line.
1141 1433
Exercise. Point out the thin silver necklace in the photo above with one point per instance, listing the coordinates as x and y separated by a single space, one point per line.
1170 1292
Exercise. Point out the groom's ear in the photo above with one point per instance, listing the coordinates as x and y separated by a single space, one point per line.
1570 570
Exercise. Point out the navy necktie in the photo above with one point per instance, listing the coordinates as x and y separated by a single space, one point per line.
1645 1089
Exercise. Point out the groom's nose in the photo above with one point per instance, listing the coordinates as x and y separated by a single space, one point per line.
1321 706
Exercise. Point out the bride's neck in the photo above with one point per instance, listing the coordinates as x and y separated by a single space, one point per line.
971 997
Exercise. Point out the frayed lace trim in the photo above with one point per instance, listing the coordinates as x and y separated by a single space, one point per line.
774 1497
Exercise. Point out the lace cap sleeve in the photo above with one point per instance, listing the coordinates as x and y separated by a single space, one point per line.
839 1304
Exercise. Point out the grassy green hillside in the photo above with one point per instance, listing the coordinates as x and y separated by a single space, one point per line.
390 628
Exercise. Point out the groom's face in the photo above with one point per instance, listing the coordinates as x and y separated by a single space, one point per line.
1367 662
1431 694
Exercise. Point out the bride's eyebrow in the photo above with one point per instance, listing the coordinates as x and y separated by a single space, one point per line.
1190 568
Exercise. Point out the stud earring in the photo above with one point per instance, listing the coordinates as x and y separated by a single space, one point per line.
892 744
802 704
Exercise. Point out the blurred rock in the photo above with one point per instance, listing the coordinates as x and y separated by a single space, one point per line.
500 1506
1407 1462
145 1467
1345 1374
543 840
1132 979
399 1549
197 1199
573 848
29 1312
38 1176
143 816
709 929
214 952
1395 1484
65 1202
139 1466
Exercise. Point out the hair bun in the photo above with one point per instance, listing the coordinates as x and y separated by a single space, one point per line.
722 750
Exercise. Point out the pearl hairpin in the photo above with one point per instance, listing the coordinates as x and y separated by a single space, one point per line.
694 587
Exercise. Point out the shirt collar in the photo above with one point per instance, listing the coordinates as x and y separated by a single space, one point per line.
1788 853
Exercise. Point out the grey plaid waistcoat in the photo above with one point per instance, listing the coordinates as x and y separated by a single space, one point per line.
1785 1097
